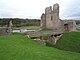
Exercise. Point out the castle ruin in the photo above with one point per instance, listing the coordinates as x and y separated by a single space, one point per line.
50 20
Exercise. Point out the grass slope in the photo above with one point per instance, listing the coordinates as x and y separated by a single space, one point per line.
18 47
69 41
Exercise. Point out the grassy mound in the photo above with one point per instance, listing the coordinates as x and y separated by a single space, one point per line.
19 47
69 41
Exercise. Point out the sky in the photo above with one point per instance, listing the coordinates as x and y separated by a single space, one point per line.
69 9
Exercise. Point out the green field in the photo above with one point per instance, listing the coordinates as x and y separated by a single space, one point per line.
28 27
19 47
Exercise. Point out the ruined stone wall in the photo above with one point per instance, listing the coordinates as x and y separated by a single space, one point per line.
71 25
55 12
74 26
57 23
51 20
43 21
48 13
52 17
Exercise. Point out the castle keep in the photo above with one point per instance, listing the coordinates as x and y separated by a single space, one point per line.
50 20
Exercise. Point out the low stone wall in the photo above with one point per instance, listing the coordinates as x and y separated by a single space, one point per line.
5 31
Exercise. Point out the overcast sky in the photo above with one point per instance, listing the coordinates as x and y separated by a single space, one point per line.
34 8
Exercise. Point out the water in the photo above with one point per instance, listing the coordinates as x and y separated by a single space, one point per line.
22 30
16 31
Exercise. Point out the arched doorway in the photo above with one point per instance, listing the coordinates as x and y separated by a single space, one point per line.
66 27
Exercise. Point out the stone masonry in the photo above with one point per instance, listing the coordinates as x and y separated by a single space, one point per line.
50 20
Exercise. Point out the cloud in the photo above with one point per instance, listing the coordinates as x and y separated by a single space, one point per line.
34 8
6 13
71 10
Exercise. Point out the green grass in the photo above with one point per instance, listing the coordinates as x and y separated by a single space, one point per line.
46 30
19 47
69 41
28 27
45 37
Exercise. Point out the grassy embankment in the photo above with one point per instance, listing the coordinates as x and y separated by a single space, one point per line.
69 41
19 47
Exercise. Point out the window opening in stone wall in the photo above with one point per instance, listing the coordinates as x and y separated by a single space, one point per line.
51 18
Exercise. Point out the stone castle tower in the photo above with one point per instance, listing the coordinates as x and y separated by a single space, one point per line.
50 20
